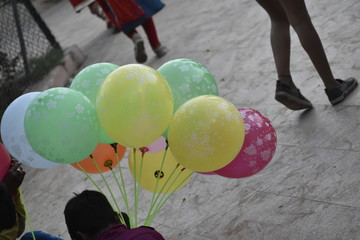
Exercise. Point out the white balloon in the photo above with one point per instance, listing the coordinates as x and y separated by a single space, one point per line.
13 133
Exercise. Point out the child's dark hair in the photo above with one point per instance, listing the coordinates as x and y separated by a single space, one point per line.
7 209
88 212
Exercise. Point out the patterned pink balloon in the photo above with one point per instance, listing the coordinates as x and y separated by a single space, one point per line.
258 148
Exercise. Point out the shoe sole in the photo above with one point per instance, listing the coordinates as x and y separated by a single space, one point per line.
140 54
292 102
345 94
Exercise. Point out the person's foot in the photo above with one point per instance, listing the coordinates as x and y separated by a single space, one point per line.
338 94
291 97
139 48
160 51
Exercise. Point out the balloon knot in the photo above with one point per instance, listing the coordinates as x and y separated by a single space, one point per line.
114 145
108 163
144 149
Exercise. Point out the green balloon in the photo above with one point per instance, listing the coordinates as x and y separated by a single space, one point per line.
88 81
61 125
188 79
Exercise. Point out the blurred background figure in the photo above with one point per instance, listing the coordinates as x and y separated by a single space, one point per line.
127 15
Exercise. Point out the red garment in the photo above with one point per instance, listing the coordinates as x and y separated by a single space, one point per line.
127 15
127 10
121 12
150 30
121 232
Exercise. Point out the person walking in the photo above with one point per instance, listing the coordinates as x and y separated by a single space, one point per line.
286 13
127 15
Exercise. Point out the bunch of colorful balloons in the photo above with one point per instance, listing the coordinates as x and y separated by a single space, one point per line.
108 108
172 119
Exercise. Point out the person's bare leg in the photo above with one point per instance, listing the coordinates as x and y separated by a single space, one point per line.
336 90
294 12
279 38
301 22
286 91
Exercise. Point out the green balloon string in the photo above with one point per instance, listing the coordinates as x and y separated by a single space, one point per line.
161 191
168 180
167 190
27 214
153 199
89 177
172 183
125 198
161 168
162 204
109 189
138 185
93 181
157 197
169 187
171 174
117 183
135 187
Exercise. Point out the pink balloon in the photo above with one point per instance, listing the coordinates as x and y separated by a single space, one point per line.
258 148
157 146
5 161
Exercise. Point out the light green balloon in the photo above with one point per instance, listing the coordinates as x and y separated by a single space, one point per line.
88 81
187 79
61 125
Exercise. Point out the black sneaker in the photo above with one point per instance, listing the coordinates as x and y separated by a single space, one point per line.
338 94
291 97
140 54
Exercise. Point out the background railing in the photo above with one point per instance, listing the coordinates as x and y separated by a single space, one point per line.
28 50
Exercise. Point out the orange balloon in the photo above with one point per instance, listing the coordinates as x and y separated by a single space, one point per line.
105 157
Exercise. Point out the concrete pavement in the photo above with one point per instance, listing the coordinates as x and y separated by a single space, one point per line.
310 189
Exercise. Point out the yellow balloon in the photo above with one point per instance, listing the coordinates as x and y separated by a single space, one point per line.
134 105
207 132
151 170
